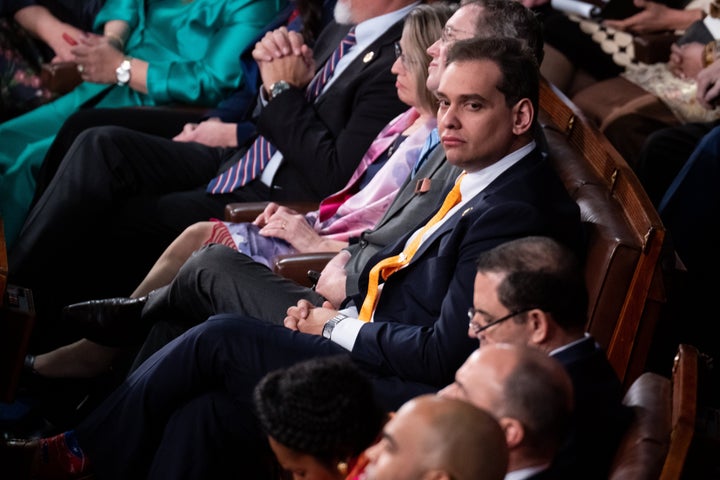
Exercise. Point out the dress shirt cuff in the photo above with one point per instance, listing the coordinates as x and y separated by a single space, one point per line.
713 25
345 332
262 97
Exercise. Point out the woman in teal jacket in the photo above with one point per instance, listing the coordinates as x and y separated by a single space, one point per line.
149 52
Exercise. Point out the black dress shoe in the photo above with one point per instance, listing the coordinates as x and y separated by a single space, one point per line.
114 322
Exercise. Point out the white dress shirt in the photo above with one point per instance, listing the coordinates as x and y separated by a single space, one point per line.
345 333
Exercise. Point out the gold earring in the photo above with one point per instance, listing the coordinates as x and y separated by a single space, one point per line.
342 468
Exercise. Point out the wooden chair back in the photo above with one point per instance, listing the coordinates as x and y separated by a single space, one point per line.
684 411
657 442
625 234
644 446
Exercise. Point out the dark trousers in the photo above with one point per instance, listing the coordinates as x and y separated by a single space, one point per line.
187 409
690 210
165 122
117 201
664 154
217 279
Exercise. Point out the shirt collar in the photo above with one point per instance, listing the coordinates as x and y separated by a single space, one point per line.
368 31
569 345
475 182
523 473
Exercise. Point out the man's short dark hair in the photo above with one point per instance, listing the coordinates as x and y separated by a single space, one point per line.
541 273
510 19
517 64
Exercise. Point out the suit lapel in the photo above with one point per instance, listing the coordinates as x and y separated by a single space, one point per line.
435 160
520 168
327 42
364 59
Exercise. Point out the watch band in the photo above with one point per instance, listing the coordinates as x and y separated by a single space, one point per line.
277 88
330 324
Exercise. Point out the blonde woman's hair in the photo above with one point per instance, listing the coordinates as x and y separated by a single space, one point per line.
423 26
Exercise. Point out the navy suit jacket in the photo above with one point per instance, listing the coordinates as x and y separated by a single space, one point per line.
600 417
419 332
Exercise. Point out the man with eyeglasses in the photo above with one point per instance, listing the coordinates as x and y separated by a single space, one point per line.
531 291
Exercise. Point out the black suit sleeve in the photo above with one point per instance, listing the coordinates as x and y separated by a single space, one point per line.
323 143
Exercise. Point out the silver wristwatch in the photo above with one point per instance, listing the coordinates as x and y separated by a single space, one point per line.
122 73
278 87
330 324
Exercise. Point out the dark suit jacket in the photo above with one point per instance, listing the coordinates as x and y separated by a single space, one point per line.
323 143
435 290
600 416
406 211
238 107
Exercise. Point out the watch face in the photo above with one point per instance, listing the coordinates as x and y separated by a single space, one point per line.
123 76
278 87
122 73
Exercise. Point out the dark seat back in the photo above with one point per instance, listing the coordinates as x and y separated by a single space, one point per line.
625 234
657 443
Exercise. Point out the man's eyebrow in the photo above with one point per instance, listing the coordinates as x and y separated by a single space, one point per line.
389 439
472 96
476 97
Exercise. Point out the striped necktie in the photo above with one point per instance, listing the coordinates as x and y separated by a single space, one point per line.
261 151
390 265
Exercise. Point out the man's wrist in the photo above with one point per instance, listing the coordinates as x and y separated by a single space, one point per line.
276 88
331 324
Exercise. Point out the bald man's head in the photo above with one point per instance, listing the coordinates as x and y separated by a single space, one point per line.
443 438
517 383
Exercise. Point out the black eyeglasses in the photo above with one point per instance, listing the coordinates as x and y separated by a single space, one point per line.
479 328
399 54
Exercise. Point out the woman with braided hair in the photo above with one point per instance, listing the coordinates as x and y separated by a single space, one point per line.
319 416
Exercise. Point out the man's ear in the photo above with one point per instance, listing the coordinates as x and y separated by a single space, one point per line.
514 431
538 320
436 475
523 114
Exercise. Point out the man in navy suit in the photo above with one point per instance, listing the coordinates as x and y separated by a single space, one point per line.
186 409
531 291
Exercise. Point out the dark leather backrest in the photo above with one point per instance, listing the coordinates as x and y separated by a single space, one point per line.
642 450
613 250
625 234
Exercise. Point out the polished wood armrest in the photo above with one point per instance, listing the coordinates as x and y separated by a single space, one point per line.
295 266
248 211
653 47
60 77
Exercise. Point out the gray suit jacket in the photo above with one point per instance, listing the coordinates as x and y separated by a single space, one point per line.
404 214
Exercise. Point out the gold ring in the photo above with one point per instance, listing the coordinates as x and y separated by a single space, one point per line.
80 68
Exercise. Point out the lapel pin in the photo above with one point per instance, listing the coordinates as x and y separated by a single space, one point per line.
368 57
467 210
423 185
